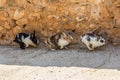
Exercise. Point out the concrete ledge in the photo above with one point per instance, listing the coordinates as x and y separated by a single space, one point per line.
74 64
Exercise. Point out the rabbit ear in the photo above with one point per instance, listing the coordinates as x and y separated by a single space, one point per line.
57 37
64 34
71 37
34 32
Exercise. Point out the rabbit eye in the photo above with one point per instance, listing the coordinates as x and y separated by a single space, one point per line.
101 41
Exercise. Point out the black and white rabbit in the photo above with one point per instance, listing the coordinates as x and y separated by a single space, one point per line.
92 40
24 40
59 41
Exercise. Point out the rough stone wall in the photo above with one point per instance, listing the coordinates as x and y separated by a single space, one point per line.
51 16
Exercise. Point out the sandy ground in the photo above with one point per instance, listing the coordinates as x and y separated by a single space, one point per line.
77 63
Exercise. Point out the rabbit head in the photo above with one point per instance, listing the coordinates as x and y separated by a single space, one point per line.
101 41
67 37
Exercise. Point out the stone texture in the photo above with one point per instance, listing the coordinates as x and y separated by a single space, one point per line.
7 26
51 16
2 2
22 21
17 30
3 16
1 28
19 13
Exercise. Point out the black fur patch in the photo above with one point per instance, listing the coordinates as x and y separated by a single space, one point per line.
22 45
33 39
19 36
54 39
73 30
88 39
101 41
91 34
23 34
18 39
90 45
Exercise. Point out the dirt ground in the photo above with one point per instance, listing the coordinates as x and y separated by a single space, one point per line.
76 63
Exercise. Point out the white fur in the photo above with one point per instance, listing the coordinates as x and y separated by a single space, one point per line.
93 41
38 41
62 43
18 36
27 41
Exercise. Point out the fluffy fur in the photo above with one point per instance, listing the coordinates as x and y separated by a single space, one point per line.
24 40
59 41
92 40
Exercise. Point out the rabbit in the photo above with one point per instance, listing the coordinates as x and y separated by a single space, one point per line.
24 40
92 40
59 41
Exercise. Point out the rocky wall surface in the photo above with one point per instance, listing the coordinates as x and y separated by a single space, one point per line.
47 17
